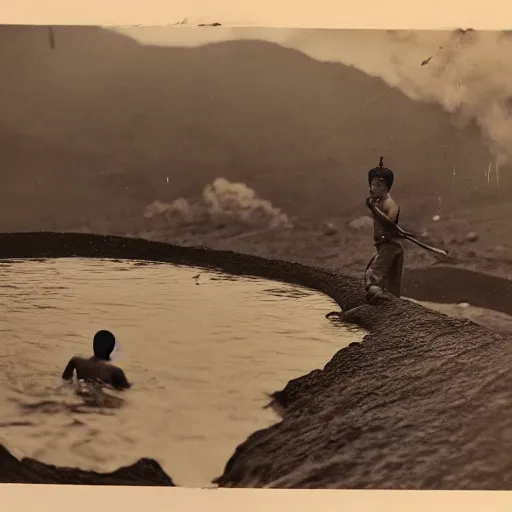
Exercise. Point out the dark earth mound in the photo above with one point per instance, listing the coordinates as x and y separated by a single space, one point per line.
145 472
422 403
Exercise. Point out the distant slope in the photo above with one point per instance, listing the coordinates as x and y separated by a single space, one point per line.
91 130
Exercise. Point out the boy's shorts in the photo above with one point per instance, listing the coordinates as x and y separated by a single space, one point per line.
386 267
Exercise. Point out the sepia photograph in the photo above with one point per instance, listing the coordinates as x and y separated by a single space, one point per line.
255 257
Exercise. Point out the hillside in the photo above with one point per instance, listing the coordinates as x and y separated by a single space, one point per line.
91 130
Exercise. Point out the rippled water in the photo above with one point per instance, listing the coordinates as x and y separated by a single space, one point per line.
202 354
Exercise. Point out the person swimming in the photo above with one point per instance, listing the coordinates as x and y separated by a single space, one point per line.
98 368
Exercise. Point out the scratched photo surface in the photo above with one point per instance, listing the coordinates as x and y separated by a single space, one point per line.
204 194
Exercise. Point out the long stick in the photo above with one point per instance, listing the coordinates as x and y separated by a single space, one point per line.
425 246
404 234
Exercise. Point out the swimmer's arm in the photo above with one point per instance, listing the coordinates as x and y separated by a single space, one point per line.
68 371
120 381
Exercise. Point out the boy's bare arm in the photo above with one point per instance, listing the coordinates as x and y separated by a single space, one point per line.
385 219
68 371
384 216
391 210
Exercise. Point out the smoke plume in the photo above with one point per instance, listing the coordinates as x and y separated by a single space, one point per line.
468 73
222 202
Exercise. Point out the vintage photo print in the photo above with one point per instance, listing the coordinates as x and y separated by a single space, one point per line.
247 257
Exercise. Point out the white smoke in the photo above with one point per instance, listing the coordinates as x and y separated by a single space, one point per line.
222 202
178 209
468 73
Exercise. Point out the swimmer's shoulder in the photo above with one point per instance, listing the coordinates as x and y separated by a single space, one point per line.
80 362
79 359
118 378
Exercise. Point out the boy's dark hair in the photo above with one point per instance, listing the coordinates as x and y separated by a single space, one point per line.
103 344
382 172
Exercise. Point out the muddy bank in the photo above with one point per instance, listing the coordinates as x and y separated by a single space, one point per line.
424 402
145 472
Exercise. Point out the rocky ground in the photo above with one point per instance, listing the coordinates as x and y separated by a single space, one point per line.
145 472
477 239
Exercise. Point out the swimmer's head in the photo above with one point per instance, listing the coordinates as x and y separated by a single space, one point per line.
103 344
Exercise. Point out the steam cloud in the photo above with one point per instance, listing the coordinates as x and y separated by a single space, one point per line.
468 73
222 202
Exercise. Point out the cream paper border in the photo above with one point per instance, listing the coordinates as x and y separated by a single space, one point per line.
390 14
385 14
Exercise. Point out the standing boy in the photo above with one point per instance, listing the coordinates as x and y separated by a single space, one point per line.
384 271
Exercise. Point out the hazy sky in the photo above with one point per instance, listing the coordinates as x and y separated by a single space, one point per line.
469 73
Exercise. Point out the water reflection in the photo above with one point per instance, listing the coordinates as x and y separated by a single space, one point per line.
203 361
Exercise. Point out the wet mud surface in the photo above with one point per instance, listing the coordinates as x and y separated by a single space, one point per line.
422 403
459 285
